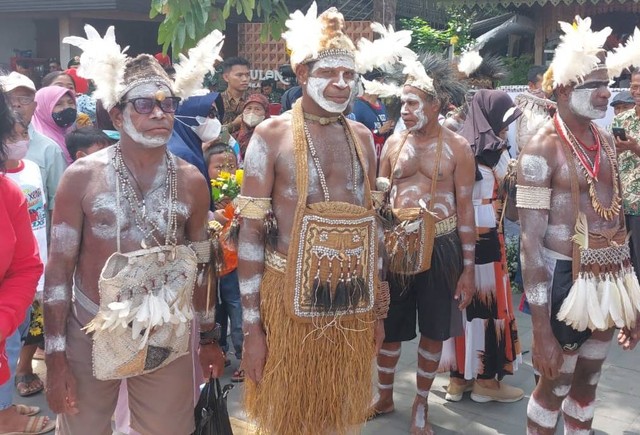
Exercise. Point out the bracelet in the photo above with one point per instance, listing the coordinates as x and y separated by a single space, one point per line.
533 197
252 208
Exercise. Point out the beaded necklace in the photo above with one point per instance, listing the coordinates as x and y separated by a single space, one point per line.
591 168
147 226
316 160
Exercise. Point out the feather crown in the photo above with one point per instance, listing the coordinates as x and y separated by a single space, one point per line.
625 56
388 49
469 62
311 37
577 54
417 76
114 74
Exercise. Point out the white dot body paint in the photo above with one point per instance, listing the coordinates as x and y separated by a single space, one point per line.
248 251
57 294
561 390
538 294
55 343
316 86
250 316
250 286
255 162
580 104
540 415
534 168
569 363
418 112
64 238
594 350
576 411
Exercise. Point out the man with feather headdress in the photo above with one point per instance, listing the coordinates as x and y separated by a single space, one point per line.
578 276
429 171
308 253
129 255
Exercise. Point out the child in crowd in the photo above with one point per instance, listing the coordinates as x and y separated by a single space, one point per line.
26 174
85 141
219 158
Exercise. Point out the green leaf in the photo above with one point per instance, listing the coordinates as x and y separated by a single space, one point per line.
247 7
190 24
238 6
226 11
179 36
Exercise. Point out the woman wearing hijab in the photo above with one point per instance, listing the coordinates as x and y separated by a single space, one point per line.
255 110
55 114
490 349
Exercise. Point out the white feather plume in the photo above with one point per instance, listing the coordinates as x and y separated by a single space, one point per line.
469 62
624 56
101 61
383 90
386 50
417 76
577 54
303 34
190 71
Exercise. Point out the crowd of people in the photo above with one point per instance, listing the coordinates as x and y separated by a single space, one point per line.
154 228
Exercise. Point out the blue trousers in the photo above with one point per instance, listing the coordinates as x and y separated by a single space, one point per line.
229 310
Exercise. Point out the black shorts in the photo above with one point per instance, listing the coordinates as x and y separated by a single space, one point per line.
430 293
569 338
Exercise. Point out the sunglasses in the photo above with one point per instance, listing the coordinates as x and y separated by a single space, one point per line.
144 106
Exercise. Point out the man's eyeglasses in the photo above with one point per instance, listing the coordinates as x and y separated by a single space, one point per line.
22 100
144 106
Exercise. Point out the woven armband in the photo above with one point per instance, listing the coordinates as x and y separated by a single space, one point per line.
252 208
383 299
533 197
202 250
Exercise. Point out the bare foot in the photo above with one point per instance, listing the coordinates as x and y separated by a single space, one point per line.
12 421
382 404
419 423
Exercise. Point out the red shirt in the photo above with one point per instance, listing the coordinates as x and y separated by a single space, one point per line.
20 265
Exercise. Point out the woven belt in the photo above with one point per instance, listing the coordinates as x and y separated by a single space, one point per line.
446 226
275 260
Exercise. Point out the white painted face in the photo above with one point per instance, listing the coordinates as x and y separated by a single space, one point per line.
580 104
332 78
413 105
146 90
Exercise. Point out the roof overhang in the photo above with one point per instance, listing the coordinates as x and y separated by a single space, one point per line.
516 25
528 2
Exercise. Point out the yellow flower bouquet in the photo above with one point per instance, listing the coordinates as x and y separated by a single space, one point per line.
227 185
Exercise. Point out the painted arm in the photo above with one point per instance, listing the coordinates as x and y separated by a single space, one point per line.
533 201
259 176
464 179
66 230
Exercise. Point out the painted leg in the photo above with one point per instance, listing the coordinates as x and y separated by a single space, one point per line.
544 405
579 406
429 353
387 361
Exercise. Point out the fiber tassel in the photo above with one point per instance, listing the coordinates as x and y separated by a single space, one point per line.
596 319
581 236
216 262
615 308
340 297
271 230
628 310
633 287
604 294
233 232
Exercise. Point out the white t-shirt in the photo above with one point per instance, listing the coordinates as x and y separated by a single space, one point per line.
27 176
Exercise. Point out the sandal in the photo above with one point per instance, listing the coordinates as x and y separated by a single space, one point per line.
27 410
27 381
35 425
238 376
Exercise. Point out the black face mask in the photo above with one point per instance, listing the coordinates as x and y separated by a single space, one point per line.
65 118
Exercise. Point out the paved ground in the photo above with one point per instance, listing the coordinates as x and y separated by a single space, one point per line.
618 402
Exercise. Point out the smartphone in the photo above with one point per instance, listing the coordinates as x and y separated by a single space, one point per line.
619 133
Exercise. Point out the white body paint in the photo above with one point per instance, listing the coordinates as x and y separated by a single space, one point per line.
429 356
255 162
426 374
386 370
248 251
534 168
391 353
538 294
56 343
594 378
561 390
418 113
576 411
594 350
57 294
540 415
316 86
559 232
250 316
465 229
569 364
250 286
64 238
580 104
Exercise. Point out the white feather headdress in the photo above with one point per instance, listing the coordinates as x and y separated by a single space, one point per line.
625 56
303 35
382 90
102 61
417 76
469 62
384 51
577 54
190 71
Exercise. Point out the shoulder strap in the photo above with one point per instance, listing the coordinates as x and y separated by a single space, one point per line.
436 170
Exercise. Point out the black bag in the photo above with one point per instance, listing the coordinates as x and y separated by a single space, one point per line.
212 417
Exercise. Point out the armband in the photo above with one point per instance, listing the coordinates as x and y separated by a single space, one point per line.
252 208
383 299
202 250
533 197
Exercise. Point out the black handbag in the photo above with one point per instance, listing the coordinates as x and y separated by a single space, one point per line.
211 414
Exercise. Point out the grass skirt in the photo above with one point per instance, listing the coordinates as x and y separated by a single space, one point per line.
316 380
